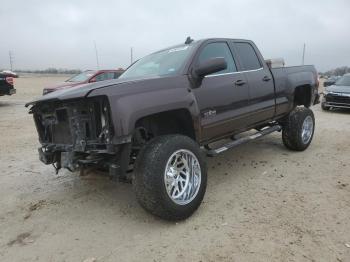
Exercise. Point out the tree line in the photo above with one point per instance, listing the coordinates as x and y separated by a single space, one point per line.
339 71
51 71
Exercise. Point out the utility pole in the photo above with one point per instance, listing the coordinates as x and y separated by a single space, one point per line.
11 60
97 63
303 59
131 56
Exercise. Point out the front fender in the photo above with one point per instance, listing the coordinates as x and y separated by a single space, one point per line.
128 106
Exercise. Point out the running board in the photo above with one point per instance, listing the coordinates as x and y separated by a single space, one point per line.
243 140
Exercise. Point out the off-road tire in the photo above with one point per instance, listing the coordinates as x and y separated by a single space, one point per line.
292 129
148 181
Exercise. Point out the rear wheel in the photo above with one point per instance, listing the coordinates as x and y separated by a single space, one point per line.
170 177
299 129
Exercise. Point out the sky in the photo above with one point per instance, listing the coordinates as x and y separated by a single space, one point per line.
61 34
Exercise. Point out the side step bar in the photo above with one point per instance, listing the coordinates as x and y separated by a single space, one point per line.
243 140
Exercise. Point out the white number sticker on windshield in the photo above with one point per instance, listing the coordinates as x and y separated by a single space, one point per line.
178 49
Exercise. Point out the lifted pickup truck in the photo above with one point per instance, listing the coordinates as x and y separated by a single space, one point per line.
6 85
166 110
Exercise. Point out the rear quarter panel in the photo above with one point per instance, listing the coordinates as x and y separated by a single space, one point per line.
286 80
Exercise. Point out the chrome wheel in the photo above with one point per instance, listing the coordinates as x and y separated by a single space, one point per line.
307 129
182 177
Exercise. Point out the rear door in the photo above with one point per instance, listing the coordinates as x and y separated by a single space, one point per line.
260 81
223 96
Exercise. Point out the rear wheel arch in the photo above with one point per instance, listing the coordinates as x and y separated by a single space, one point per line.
303 95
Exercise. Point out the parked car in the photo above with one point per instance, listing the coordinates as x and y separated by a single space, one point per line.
337 95
9 73
166 109
330 81
88 76
6 85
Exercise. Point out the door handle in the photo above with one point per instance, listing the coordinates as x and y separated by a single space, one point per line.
266 78
240 82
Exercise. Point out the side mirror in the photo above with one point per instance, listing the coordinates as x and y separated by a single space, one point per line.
210 66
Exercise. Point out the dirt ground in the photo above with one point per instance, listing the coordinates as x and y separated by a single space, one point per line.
263 202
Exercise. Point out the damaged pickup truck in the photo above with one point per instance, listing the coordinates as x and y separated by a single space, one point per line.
163 114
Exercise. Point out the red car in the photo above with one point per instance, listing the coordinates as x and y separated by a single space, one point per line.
88 76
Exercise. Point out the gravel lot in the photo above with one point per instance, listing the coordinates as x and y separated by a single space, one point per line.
263 202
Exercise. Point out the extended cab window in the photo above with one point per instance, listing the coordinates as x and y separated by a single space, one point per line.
213 50
247 56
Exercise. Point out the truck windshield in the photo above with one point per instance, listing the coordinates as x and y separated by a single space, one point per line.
344 81
166 62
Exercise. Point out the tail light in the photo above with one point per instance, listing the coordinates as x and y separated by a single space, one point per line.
9 80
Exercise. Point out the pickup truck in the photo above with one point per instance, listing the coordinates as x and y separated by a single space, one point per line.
163 114
6 85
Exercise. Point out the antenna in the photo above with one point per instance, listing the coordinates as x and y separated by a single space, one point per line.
11 60
303 59
97 63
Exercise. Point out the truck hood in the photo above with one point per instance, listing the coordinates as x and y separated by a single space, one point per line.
83 90
338 89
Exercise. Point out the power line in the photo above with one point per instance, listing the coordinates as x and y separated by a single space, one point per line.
131 56
11 59
303 59
98 64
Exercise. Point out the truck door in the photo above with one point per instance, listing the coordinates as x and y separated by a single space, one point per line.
223 96
260 81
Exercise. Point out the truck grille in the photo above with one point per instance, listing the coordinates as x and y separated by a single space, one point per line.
338 98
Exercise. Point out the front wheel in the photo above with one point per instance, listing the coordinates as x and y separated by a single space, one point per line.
170 177
299 129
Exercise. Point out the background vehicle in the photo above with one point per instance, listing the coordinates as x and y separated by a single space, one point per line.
330 81
337 95
6 85
88 76
9 73
167 108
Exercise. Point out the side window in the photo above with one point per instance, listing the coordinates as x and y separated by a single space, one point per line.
247 56
104 76
213 50
117 74
100 77
109 75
